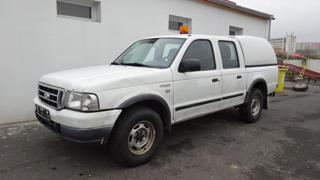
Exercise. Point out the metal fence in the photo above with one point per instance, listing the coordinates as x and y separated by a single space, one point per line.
313 65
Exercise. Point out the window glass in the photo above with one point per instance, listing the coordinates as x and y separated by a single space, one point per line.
156 53
229 55
144 51
201 50
232 33
173 25
69 9
170 50
175 22
235 31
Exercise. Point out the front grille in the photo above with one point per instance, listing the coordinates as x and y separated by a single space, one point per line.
51 95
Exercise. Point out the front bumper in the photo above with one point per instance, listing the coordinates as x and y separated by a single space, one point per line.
79 126
100 135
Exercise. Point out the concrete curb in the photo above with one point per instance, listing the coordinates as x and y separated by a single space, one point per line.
18 123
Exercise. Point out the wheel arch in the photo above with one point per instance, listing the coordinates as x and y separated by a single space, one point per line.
260 84
154 102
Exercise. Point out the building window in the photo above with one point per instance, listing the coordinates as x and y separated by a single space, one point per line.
175 26
175 22
235 31
81 9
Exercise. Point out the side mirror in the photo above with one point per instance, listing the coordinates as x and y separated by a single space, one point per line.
189 65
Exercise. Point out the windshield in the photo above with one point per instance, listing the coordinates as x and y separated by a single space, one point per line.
154 53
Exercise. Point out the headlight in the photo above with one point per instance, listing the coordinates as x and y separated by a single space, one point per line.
81 101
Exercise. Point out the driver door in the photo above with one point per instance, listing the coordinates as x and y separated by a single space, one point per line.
199 92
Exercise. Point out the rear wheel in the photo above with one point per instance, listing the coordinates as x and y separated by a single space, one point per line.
136 136
251 111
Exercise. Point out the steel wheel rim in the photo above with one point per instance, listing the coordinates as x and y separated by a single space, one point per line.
141 138
255 106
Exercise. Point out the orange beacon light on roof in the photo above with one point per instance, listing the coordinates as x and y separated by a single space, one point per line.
184 30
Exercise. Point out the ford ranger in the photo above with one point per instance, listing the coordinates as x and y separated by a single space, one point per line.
155 83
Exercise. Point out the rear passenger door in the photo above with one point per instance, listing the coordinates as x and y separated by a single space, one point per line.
233 73
197 93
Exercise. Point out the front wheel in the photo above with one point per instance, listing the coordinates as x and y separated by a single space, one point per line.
251 111
136 136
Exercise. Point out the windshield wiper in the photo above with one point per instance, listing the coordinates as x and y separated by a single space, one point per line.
135 64
115 63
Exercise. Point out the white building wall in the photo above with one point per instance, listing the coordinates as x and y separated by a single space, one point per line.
34 41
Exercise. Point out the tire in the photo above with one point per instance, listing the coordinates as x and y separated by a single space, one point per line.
136 136
300 87
251 111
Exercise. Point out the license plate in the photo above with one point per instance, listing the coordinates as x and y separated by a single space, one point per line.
43 111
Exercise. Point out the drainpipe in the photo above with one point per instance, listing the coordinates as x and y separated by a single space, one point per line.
269 33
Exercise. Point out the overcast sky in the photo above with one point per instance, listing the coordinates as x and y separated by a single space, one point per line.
301 17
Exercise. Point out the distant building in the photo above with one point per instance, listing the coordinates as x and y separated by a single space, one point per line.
286 44
308 46
278 44
290 44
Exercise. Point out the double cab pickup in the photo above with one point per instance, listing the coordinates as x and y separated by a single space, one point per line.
154 84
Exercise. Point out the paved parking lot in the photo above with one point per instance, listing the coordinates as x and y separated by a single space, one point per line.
284 144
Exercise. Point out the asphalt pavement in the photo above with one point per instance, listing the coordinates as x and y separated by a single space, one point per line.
284 144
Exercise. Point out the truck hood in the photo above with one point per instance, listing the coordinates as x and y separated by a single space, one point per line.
106 77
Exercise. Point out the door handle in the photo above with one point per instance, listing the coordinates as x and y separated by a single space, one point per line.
215 80
239 77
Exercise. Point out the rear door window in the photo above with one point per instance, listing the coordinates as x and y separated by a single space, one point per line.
229 55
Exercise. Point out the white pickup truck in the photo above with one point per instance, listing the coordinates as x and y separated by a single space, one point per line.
155 83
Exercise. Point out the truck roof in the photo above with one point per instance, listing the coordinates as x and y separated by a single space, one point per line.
243 37
186 36
257 51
